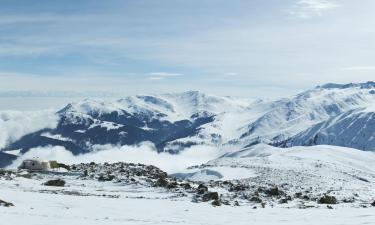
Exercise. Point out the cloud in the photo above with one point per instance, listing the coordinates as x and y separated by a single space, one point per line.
163 75
143 153
156 78
15 124
358 68
311 8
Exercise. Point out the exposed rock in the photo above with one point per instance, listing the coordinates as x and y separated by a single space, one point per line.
186 186
216 203
208 196
202 189
107 177
285 200
5 204
255 199
56 183
238 187
327 199
274 191
161 182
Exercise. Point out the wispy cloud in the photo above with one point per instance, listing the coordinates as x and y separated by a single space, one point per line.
310 8
358 68
163 75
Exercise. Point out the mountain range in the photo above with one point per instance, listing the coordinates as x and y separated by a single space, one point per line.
331 114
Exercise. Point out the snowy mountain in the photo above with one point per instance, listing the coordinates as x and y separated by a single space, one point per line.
288 117
160 119
355 128
331 114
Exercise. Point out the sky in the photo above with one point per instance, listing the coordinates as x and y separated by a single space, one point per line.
240 47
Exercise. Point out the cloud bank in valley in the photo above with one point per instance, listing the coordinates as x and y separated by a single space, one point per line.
143 153
15 124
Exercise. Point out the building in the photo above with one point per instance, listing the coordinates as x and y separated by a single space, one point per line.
34 164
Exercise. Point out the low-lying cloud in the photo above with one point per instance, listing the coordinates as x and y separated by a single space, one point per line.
143 153
15 124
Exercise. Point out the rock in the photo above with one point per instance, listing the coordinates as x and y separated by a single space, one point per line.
62 165
273 191
298 194
186 186
172 185
108 177
210 196
216 203
285 200
327 199
373 203
56 183
161 182
255 199
238 187
5 204
202 189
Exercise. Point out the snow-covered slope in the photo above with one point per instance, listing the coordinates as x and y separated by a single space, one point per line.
348 174
355 128
132 194
287 117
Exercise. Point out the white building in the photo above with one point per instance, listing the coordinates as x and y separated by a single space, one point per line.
34 164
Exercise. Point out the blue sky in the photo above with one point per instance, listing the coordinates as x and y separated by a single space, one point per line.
239 47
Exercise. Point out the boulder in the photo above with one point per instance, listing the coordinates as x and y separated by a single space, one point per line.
202 189
327 199
56 183
208 196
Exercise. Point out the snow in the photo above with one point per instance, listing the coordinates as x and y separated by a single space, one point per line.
323 169
38 205
216 173
105 124
342 172
14 152
56 137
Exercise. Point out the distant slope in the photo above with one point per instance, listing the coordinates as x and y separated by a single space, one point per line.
355 129
6 159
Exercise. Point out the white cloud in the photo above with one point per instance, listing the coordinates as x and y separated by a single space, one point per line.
144 153
15 124
156 78
163 75
310 8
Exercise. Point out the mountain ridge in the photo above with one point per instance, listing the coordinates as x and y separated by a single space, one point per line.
176 121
